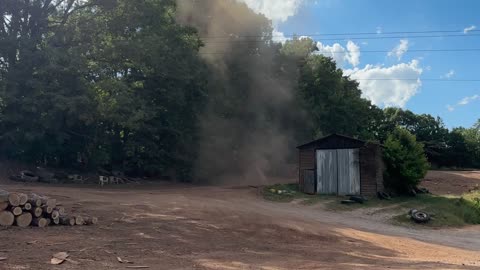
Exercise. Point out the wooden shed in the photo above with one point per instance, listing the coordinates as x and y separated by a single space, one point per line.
340 165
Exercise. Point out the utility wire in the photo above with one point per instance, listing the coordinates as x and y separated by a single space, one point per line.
380 51
344 34
354 38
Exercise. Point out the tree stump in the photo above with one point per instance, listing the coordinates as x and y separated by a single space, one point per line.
17 210
40 222
6 218
24 220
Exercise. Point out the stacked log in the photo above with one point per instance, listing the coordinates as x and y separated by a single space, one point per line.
25 210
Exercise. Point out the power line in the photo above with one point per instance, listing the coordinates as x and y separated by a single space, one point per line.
411 79
344 34
356 38
380 51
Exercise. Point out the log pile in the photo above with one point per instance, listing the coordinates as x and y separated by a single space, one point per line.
22 210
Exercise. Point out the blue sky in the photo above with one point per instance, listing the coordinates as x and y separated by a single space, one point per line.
456 102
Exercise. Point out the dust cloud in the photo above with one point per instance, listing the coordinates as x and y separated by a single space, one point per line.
246 135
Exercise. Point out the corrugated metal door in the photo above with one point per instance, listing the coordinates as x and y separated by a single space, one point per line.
348 172
326 171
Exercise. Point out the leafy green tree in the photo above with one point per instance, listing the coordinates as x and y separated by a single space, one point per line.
405 160
332 100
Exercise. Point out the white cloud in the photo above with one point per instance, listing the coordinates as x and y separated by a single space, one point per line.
340 54
353 56
400 49
379 30
389 86
278 36
464 101
277 11
467 100
468 29
449 74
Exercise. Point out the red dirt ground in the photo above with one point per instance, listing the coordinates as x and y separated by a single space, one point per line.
183 227
451 182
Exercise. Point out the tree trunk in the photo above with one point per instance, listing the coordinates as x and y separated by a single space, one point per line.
24 220
17 211
6 218
79 220
40 222
91 220
66 220
23 198
37 212
27 206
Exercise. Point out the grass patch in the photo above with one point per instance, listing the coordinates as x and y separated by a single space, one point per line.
446 211
290 192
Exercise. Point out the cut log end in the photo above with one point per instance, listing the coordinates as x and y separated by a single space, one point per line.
66 220
23 198
37 212
6 218
61 210
55 214
14 199
47 209
35 202
24 220
90 220
40 222
56 221
27 207
17 211
79 220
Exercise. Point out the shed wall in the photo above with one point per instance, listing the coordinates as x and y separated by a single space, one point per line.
371 169
306 161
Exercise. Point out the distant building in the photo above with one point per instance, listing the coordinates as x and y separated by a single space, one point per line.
341 165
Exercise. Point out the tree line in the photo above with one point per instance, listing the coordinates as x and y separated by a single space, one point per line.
139 86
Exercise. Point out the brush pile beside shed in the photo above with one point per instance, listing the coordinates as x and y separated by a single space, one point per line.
25 210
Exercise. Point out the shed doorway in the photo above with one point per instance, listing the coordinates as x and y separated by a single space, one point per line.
338 171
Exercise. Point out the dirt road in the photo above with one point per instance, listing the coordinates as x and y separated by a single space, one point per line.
181 227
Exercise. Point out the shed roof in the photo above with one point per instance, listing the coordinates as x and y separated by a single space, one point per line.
333 139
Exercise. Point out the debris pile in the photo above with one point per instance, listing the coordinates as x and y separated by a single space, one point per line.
24 210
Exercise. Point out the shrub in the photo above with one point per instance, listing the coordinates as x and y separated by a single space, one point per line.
405 161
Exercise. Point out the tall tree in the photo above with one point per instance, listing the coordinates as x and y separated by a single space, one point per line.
333 100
